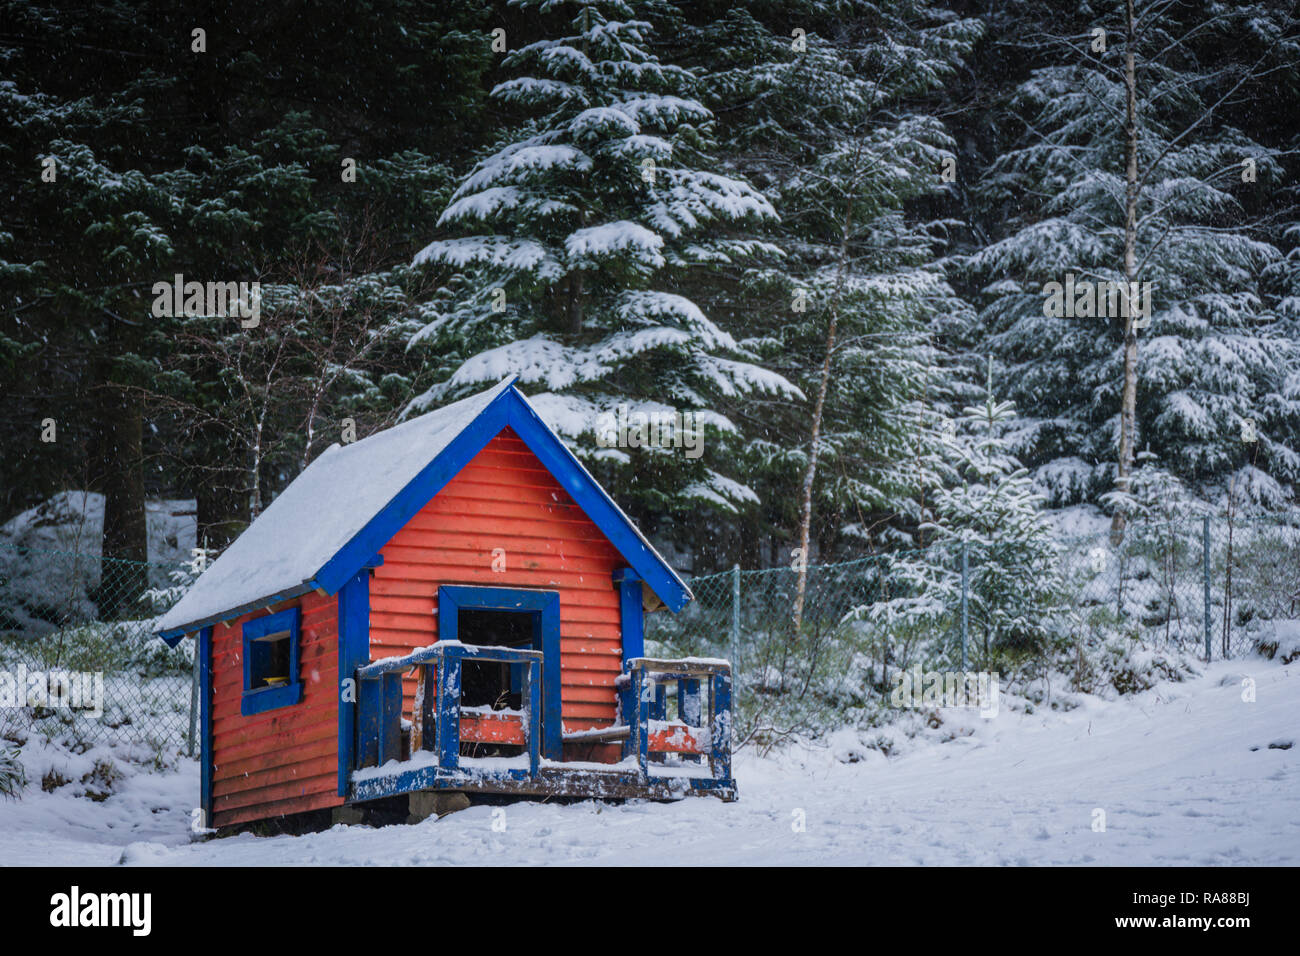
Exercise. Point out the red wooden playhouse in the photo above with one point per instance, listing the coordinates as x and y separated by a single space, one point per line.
450 604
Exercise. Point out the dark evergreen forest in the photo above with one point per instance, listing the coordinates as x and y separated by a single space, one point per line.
875 253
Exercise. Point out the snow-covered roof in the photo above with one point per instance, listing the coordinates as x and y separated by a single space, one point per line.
349 501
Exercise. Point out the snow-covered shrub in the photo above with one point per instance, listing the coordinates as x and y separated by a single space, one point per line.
1098 651
162 599
112 647
1265 578
83 647
1078 649
13 776
1131 668
1156 577
1280 642
81 769
102 779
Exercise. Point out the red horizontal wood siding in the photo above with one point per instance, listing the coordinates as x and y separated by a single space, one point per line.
283 760
505 498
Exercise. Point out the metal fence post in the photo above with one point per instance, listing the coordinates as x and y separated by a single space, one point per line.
1205 567
965 609
194 702
735 612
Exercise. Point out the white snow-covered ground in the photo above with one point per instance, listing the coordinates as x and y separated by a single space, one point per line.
1184 774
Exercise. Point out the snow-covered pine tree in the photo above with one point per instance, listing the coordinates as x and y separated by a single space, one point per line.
1155 495
570 239
1281 289
1211 359
998 517
82 225
831 120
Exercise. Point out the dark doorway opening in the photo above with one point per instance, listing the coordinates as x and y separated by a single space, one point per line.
489 683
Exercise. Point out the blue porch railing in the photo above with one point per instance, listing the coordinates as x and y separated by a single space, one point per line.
438 713
703 688
701 729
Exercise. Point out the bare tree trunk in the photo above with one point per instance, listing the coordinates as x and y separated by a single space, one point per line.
126 535
118 460
574 306
312 411
1227 580
255 470
1128 403
810 474
819 406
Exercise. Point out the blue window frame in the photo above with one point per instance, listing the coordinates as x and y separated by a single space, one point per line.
271 675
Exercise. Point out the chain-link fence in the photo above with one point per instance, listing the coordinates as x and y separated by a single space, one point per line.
1205 587
1085 604
77 653
1218 585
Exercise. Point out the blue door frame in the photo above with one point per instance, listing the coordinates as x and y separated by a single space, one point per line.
544 607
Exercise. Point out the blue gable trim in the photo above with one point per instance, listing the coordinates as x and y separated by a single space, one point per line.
432 479
599 507
509 409
172 638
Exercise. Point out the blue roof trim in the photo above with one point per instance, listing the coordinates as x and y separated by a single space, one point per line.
509 409
172 637
368 542
599 506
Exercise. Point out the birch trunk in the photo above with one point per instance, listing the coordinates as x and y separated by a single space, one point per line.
810 474
1128 402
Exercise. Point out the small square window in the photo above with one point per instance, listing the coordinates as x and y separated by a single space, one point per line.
271 677
269 660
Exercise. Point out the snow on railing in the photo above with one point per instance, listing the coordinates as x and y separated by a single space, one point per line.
440 722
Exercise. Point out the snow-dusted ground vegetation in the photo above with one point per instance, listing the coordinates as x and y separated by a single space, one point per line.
1188 773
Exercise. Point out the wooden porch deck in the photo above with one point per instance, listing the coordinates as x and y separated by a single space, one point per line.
662 759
